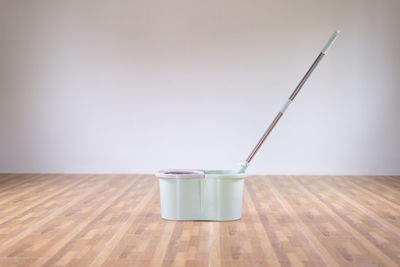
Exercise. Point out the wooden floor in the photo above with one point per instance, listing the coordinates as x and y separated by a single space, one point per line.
114 220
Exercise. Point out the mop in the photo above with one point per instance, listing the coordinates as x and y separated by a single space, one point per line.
275 121
216 195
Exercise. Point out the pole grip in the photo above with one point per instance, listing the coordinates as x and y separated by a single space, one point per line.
330 42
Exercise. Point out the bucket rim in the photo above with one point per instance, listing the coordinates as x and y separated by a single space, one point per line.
199 174
180 174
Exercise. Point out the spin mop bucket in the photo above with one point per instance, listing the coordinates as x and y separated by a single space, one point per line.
215 195
201 195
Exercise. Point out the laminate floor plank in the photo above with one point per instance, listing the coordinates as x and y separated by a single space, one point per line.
115 220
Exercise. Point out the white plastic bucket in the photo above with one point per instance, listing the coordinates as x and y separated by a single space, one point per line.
212 195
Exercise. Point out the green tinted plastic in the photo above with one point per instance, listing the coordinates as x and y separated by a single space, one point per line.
228 174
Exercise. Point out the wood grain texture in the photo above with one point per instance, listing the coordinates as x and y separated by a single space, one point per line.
114 220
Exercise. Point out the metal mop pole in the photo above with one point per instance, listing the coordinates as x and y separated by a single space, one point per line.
289 101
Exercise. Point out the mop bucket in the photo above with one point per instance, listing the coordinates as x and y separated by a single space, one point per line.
212 195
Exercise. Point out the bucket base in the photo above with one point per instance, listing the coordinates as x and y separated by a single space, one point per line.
203 220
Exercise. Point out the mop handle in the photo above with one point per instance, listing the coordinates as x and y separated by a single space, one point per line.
292 96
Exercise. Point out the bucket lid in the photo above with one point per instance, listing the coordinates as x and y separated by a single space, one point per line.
180 173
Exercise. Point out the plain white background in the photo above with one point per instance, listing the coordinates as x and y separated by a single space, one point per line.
137 86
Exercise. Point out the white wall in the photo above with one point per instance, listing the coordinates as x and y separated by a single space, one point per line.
135 86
